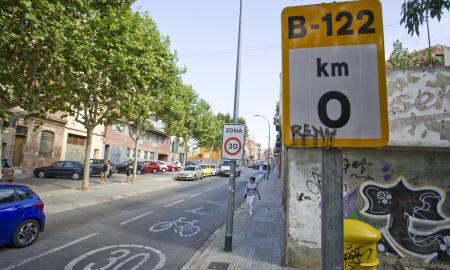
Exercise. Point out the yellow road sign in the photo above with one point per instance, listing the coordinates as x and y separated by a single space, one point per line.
334 78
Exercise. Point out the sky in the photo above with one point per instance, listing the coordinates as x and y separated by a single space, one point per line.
204 35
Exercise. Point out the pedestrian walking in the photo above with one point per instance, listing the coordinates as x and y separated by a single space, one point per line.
105 172
251 190
130 178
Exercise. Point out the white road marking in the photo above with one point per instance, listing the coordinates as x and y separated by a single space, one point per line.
137 217
113 261
196 194
51 251
210 189
216 203
170 204
198 211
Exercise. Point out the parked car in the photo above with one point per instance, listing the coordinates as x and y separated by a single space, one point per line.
190 173
215 170
7 170
97 167
122 167
21 214
206 170
171 167
61 169
152 166
163 166
177 165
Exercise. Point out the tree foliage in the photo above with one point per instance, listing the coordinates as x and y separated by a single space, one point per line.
402 58
414 12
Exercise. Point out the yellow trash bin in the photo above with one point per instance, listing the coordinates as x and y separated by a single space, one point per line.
360 245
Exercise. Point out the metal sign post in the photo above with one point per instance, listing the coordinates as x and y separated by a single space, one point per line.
332 221
334 95
232 179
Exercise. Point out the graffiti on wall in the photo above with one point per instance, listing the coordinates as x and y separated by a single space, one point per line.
419 107
415 223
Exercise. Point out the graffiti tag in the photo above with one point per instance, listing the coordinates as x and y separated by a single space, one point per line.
354 256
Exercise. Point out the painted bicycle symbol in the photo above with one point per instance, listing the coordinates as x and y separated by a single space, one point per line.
181 226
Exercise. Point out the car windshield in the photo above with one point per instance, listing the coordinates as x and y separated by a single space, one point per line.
202 166
190 168
226 163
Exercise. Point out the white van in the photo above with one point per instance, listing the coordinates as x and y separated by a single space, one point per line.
225 168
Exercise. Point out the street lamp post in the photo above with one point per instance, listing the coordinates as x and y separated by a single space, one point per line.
232 179
268 145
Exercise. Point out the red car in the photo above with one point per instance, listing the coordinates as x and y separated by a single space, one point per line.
152 166
174 166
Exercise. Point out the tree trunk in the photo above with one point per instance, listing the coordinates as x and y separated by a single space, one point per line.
87 156
136 145
1 149
135 157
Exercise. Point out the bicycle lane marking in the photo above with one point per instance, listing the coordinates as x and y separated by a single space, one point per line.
51 251
170 204
135 218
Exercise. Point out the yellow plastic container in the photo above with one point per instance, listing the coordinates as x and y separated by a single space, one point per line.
360 245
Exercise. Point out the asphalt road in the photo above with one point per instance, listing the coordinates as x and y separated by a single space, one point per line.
157 230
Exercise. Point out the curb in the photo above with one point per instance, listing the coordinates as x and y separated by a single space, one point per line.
197 256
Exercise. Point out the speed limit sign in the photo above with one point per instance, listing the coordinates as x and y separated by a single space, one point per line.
233 140
334 78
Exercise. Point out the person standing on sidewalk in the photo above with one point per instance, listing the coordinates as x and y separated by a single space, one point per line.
130 176
105 171
251 190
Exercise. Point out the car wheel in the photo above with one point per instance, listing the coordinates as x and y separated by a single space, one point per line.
41 174
26 233
195 177
138 171
76 176
164 170
154 171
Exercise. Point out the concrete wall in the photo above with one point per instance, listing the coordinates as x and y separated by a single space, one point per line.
403 193
419 107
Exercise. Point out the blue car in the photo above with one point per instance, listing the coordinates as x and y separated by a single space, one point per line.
22 215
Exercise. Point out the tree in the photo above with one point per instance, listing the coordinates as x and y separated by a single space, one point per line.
104 69
155 96
415 11
31 59
402 58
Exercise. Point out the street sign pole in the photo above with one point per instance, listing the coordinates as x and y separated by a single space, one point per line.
232 179
332 208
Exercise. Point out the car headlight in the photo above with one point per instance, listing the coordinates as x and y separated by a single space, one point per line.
191 175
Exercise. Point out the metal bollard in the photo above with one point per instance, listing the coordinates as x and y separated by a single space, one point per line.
360 245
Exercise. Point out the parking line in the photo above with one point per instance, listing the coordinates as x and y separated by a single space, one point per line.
169 205
137 217
50 251
196 194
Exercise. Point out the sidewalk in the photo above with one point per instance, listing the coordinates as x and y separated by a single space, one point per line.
257 240
69 195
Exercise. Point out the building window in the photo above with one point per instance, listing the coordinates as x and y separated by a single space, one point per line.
118 128
146 154
139 153
152 155
96 153
75 139
46 145
21 130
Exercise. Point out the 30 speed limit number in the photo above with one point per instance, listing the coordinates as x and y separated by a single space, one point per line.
334 82
233 139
